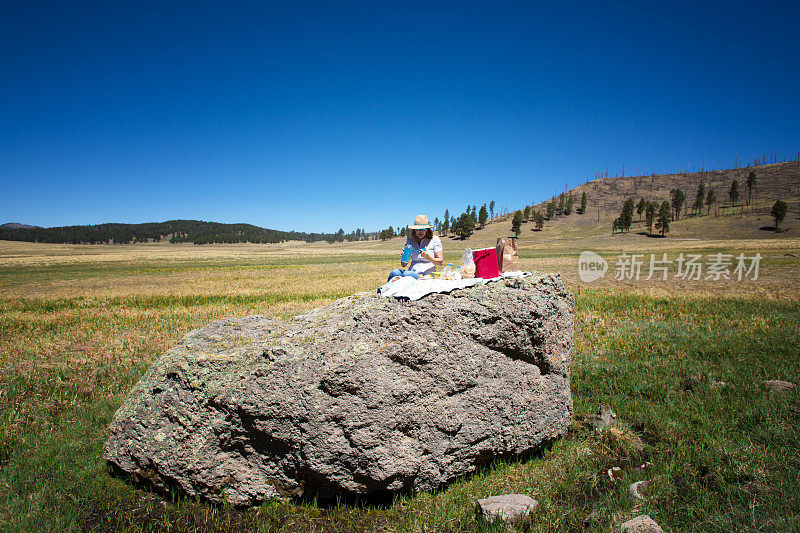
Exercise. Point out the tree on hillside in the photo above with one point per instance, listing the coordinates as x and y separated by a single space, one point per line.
437 224
454 229
538 218
734 192
568 205
640 207
561 203
516 223
551 209
662 222
778 212
678 197
526 213
626 216
446 221
491 208
465 226
615 225
650 215
583 203
711 197
751 184
482 215
700 198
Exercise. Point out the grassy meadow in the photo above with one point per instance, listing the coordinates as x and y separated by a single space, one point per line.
79 325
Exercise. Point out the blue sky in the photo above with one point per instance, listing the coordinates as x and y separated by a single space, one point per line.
320 115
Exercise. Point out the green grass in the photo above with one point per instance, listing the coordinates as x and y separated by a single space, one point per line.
723 458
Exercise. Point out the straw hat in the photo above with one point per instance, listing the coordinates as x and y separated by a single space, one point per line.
421 222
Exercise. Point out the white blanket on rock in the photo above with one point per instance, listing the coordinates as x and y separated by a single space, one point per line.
414 289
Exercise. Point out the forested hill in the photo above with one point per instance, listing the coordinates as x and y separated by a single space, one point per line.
195 231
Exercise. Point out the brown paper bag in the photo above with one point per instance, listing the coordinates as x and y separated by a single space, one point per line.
507 258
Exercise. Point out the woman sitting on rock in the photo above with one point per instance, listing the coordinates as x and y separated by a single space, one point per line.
426 251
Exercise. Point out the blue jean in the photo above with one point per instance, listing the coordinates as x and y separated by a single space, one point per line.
399 272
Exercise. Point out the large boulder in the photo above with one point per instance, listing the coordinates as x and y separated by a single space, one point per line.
363 396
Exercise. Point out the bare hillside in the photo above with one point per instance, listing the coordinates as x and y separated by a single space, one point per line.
606 195
725 221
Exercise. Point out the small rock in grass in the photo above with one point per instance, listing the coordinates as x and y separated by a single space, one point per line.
776 385
614 473
641 524
636 490
600 420
512 508
584 452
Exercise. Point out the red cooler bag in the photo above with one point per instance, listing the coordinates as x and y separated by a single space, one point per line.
486 263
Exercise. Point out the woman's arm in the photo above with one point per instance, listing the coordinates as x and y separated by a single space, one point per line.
437 258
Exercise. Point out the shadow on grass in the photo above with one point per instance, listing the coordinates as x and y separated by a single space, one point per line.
650 235
774 229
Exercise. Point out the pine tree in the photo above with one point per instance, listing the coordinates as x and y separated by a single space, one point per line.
734 192
626 216
483 215
516 223
446 222
465 226
568 205
711 197
561 203
678 197
751 184
700 198
526 213
539 218
650 215
583 202
641 206
491 208
779 212
662 223
551 209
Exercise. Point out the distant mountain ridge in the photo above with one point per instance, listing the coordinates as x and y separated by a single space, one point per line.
196 231
17 225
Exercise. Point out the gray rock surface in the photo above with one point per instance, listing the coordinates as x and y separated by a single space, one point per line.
366 395
641 524
599 421
776 385
513 508
636 490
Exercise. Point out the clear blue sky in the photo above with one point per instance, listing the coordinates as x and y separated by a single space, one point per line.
320 115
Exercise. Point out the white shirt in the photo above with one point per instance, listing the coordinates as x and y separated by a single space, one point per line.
419 264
